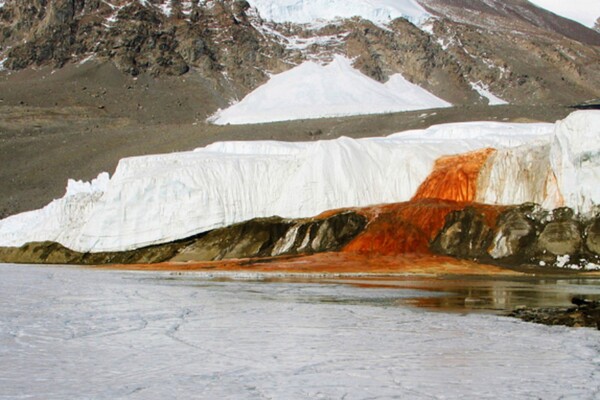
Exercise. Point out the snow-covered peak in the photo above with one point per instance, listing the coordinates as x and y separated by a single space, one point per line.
312 11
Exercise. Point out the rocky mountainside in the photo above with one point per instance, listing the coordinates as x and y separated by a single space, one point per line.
517 51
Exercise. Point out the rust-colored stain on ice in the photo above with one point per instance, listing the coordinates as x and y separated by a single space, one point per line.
409 227
454 177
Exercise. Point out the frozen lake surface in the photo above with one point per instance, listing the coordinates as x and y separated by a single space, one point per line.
68 333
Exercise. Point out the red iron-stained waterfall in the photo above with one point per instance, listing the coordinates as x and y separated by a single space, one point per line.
454 177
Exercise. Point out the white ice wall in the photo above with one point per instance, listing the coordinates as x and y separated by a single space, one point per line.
155 199
575 158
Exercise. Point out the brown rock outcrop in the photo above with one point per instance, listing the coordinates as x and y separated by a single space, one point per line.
55 253
592 236
466 234
521 60
515 233
262 237
269 237
523 235
561 236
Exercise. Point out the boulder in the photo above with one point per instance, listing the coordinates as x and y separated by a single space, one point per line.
516 231
561 236
465 234
592 236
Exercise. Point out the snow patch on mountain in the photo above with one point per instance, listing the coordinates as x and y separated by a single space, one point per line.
313 11
484 91
583 11
311 90
166 8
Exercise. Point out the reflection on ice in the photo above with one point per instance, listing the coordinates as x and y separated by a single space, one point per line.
67 333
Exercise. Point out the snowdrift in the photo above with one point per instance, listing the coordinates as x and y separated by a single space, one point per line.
160 198
311 90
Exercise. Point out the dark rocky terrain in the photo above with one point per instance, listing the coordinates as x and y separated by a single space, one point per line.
262 237
526 235
583 313
526 238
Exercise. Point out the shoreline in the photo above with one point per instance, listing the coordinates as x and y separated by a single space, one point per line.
330 265
417 272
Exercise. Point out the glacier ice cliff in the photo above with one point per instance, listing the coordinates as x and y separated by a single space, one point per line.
161 198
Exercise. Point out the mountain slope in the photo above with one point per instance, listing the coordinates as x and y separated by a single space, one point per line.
517 51
520 15
586 12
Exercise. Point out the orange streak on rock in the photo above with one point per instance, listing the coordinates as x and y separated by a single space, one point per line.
409 227
454 177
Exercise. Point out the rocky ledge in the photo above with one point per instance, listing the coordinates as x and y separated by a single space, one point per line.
525 235
584 313
261 237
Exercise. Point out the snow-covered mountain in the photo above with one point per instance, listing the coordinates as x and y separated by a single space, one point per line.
161 198
463 52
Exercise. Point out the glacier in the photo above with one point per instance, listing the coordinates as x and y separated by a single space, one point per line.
160 198
313 11
311 90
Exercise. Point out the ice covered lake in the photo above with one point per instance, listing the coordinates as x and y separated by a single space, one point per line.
69 333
